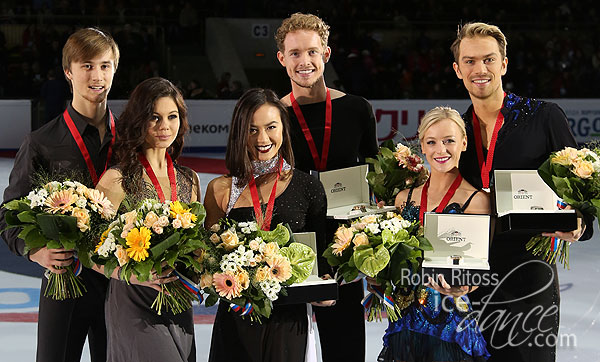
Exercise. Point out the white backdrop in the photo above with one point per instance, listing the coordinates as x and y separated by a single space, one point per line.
209 119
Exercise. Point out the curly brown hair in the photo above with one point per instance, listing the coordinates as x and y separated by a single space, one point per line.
133 124
299 21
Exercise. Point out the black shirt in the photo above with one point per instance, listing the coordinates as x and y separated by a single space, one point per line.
353 133
51 150
532 130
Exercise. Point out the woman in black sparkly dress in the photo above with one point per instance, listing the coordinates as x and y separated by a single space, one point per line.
259 147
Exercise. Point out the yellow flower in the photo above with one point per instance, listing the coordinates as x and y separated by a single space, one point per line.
83 218
129 217
61 201
343 237
281 270
230 240
243 279
270 249
360 239
150 219
206 280
102 238
583 169
121 255
565 157
138 241
187 220
262 274
402 153
369 219
177 209
215 238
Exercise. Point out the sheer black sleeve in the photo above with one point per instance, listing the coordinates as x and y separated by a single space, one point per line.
316 218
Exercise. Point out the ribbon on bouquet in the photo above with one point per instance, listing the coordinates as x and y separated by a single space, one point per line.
76 266
189 285
555 243
387 300
344 282
247 309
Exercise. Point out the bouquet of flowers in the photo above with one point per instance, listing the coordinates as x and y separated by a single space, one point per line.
574 175
249 268
396 168
378 246
151 237
61 215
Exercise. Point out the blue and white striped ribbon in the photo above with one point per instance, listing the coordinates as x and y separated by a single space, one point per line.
248 308
76 266
189 285
387 300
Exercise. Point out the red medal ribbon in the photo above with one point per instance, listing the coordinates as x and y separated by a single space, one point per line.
486 166
152 176
83 149
320 162
445 200
264 224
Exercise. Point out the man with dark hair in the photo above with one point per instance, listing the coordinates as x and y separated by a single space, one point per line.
519 316
329 130
76 144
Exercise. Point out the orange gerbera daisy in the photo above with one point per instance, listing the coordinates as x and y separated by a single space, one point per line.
61 201
138 241
227 285
281 270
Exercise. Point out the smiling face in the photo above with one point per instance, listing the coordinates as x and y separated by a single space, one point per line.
480 66
164 124
304 57
91 79
266 133
442 145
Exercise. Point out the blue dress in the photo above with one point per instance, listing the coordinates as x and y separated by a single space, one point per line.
433 326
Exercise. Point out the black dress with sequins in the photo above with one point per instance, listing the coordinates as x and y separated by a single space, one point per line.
283 336
135 331
525 304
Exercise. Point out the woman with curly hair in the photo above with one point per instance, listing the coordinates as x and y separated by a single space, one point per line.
150 136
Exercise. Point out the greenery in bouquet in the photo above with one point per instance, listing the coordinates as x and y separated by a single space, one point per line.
574 175
395 168
154 236
249 268
61 215
380 247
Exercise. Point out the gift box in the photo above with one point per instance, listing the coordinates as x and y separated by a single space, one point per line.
526 206
460 248
313 289
348 194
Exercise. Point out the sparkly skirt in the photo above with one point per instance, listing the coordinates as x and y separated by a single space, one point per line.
435 327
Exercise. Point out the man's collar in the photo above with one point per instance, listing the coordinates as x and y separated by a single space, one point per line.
81 122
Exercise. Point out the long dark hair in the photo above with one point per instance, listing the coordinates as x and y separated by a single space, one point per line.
237 157
133 124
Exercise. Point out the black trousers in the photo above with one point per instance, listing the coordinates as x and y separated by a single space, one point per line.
64 325
520 321
346 318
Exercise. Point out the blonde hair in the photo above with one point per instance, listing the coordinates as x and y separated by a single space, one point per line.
85 44
471 30
299 21
437 114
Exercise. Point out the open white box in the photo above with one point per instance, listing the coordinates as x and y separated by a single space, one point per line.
346 188
525 204
466 236
314 288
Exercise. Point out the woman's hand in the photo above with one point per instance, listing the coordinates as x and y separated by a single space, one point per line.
445 288
573 235
156 280
325 303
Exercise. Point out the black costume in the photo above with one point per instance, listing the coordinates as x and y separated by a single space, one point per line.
353 138
135 331
283 336
532 129
51 150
